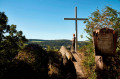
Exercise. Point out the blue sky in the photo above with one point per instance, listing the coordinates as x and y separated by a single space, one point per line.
44 19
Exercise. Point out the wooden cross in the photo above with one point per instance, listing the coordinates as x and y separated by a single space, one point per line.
76 45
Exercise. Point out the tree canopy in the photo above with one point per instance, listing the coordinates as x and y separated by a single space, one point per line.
11 41
107 18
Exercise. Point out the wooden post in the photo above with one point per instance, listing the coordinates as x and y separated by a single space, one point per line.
76 29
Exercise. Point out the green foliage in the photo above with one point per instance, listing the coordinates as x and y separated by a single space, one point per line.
11 41
81 36
54 44
30 63
48 48
51 44
112 69
36 41
89 60
107 18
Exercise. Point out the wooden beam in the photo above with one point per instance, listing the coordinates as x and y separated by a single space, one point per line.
75 19
76 40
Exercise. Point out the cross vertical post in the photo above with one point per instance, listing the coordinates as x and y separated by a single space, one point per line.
76 28
76 40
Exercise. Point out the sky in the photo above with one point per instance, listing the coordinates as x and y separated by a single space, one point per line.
44 19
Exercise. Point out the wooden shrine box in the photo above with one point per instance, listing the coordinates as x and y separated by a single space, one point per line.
105 41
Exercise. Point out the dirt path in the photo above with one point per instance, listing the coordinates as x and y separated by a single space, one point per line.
78 67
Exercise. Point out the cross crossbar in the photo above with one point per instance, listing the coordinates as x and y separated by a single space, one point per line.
75 19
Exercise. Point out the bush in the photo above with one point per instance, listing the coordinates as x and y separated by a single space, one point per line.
30 63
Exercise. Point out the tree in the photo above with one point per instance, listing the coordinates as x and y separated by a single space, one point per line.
11 40
108 18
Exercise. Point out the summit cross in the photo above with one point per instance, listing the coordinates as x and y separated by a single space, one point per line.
76 45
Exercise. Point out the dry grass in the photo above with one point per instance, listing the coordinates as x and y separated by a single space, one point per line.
54 64
88 61
25 56
82 63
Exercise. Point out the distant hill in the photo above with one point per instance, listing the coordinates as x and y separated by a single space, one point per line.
47 40
54 44
36 40
53 40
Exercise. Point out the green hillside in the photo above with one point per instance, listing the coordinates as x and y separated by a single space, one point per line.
54 44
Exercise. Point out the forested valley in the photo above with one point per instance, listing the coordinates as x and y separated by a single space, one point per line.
55 44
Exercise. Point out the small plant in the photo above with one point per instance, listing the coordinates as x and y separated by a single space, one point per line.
89 60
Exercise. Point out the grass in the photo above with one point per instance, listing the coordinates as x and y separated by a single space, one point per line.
54 64
25 44
36 41
111 64
88 60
